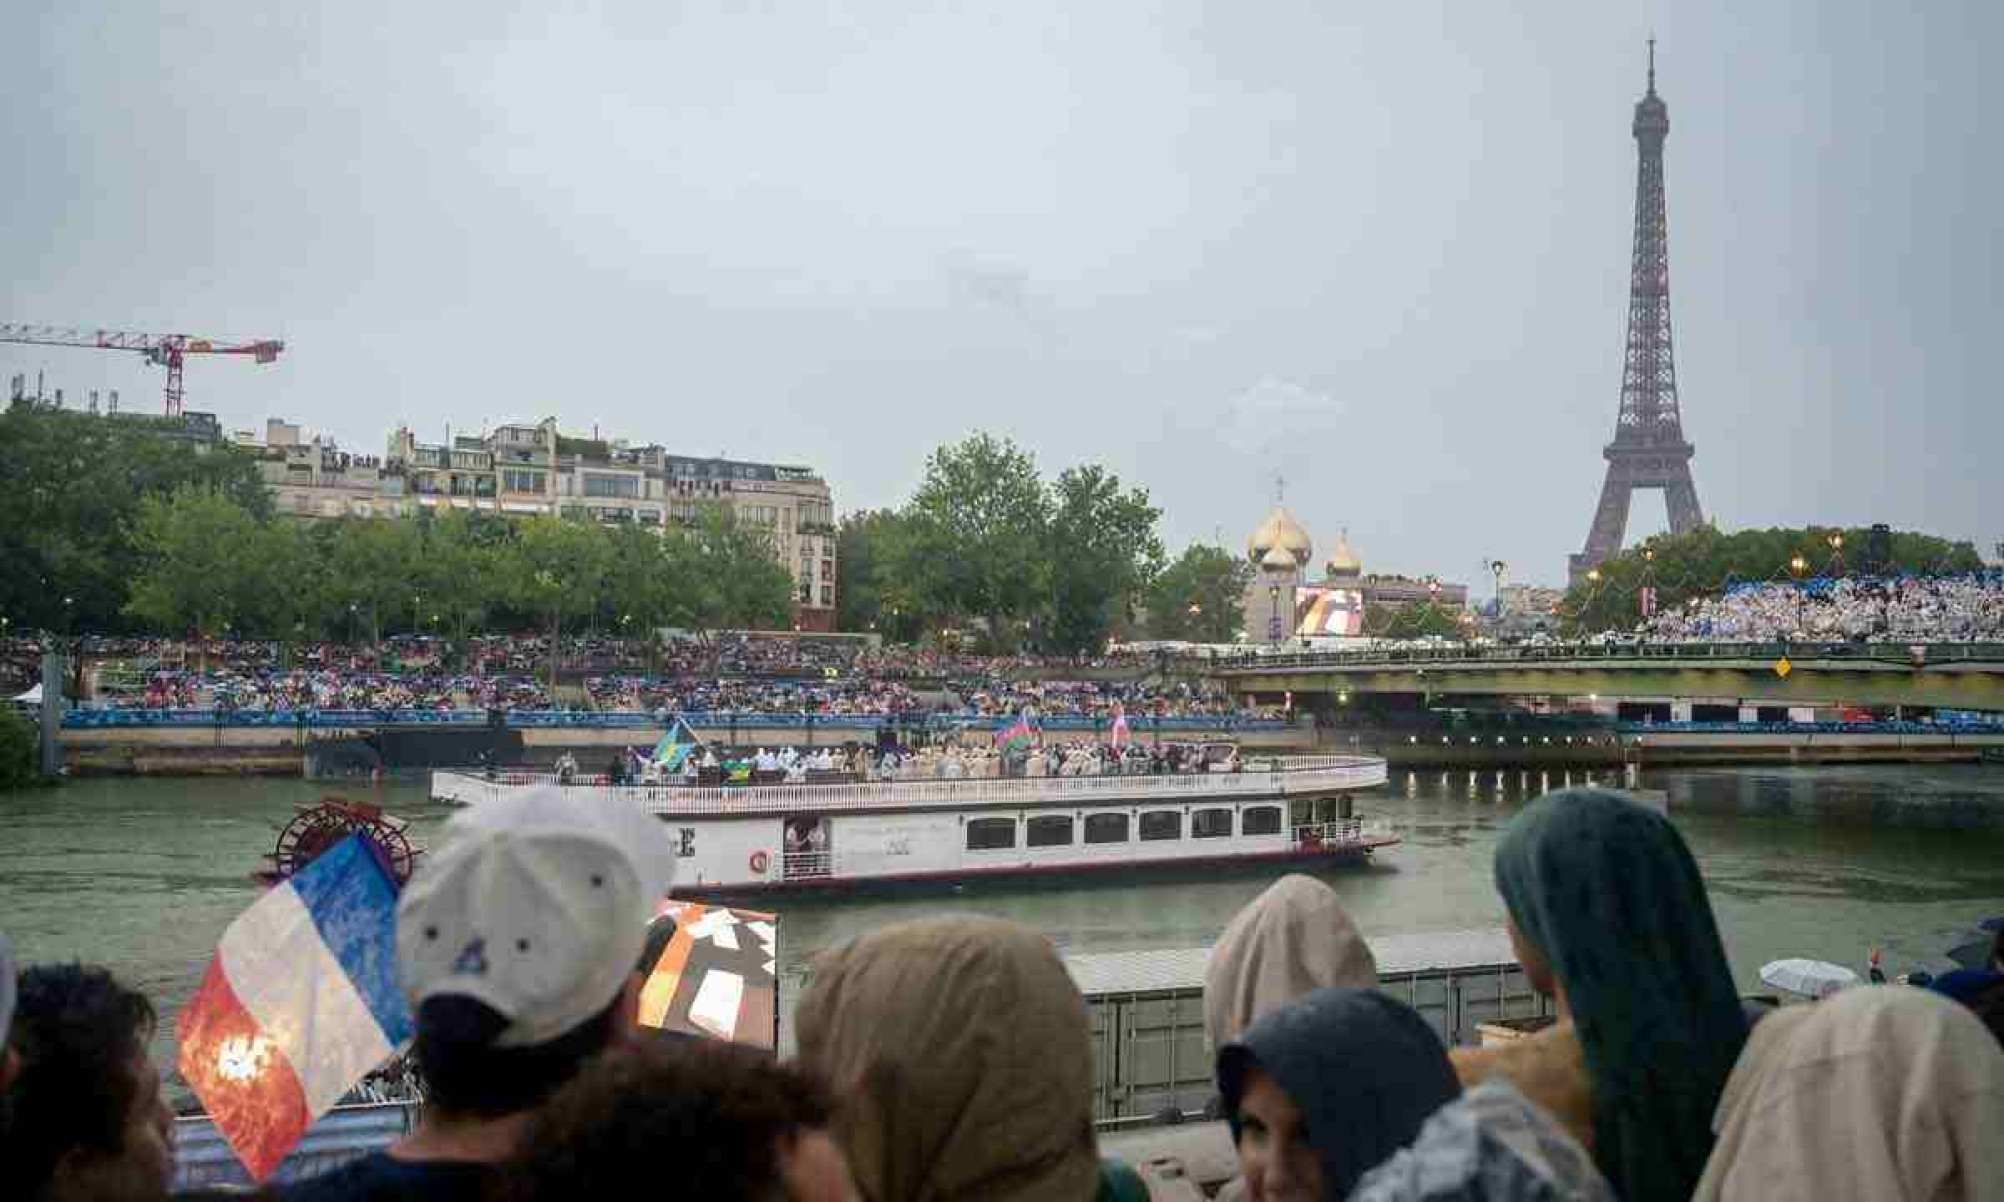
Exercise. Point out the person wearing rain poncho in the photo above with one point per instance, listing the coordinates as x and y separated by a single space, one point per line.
1883 1092
1610 918
1291 940
960 1050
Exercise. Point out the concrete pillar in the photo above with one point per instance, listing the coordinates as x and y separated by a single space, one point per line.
53 675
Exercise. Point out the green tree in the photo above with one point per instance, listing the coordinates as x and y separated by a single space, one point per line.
70 488
1103 550
458 572
17 751
726 576
203 563
871 594
1413 620
370 564
978 523
1200 597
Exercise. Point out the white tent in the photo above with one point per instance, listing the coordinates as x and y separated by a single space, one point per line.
31 697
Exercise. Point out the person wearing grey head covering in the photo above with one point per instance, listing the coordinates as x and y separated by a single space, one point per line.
1324 1089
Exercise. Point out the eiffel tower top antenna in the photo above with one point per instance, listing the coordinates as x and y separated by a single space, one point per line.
1652 64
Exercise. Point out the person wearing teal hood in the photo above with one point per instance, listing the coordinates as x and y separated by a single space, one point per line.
1610 917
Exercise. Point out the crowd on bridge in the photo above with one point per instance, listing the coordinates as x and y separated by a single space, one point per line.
952 1057
1894 609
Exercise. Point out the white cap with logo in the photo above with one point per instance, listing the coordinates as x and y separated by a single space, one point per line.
535 905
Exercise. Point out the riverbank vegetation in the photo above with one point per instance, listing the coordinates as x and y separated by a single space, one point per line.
17 751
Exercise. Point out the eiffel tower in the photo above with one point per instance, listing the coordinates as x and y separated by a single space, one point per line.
1649 449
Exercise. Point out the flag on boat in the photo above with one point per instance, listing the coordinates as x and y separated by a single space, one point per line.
677 745
299 1003
712 970
1017 736
1122 736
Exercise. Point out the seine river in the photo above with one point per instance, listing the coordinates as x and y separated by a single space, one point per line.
142 875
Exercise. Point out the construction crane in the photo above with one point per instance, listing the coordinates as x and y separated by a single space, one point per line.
161 350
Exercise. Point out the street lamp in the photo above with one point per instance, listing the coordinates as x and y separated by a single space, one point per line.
1836 542
1593 574
1798 565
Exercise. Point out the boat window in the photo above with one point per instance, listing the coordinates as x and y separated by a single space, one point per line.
984 834
1211 824
1106 828
1161 824
1050 830
1260 820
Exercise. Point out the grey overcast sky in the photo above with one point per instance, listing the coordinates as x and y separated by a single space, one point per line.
1378 249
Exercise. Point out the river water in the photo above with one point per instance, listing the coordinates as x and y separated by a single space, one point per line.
142 875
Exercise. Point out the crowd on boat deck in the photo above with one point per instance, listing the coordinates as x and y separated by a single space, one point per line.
983 760
951 1057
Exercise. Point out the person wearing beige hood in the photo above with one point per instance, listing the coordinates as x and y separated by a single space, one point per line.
1290 941
1881 1092
959 1052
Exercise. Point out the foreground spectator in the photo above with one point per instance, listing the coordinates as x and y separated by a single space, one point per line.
10 1060
516 940
716 1121
1492 1144
1980 988
1291 940
83 1119
1610 919
960 1051
1881 1092
1320 1091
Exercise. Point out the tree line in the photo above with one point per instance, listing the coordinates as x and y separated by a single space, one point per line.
209 565
988 550
111 526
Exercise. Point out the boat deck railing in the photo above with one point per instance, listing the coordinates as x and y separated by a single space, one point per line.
1302 776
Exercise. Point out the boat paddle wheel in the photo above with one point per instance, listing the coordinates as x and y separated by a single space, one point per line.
315 828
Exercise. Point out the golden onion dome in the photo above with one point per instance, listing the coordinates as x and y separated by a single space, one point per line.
1343 560
1280 532
1277 559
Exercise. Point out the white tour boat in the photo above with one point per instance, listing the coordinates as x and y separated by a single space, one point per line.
750 838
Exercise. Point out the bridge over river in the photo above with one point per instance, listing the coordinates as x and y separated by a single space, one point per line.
1937 675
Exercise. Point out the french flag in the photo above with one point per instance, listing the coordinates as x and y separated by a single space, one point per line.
299 1004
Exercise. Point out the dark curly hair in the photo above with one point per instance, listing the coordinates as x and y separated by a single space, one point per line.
708 1117
78 1032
